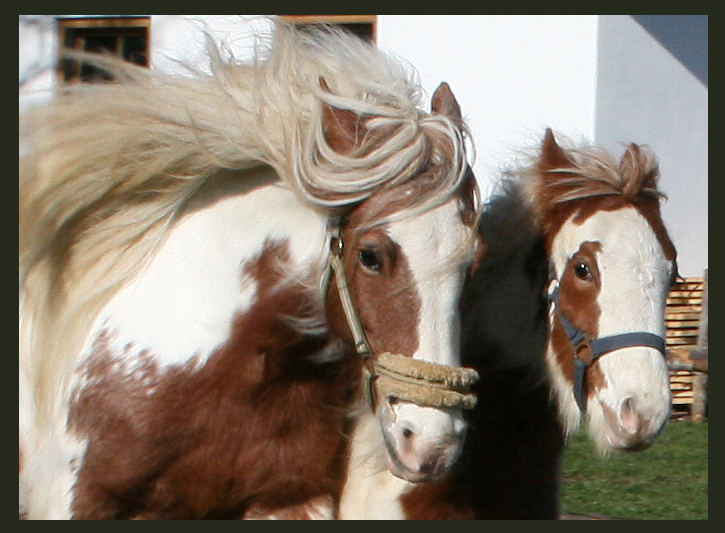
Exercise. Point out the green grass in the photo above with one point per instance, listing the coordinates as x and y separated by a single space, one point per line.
667 481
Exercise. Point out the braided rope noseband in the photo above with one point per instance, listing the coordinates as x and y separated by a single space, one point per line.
395 376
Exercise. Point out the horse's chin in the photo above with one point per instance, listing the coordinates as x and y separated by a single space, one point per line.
398 470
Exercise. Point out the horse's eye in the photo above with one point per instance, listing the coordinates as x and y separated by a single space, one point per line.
371 260
582 271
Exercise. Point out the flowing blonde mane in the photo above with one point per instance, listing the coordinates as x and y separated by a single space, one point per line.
107 169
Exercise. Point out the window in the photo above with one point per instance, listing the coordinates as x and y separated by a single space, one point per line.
126 37
361 25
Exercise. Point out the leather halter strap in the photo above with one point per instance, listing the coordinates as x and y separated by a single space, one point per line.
395 375
583 341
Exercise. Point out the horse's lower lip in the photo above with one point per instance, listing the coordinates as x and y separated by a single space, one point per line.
399 470
631 444
613 439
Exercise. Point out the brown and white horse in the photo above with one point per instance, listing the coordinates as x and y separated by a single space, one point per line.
184 349
563 320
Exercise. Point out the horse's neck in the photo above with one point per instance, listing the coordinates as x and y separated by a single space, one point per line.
370 490
505 322
209 268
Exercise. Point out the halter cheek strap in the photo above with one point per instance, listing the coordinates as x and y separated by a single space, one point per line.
581 341
395 375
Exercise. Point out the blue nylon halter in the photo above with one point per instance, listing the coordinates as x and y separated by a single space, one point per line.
598 346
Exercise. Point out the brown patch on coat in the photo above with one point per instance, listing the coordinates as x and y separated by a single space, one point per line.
578 302
257 425
390 311
595 379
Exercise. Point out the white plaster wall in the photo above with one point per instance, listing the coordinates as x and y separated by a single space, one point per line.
514 75
178 41
646 95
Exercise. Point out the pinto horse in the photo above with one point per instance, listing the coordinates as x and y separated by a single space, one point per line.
564 321
210 264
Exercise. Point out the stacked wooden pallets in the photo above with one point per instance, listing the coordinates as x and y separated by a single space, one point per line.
686 320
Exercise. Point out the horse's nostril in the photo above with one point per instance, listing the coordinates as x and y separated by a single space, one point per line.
627 404
407 433
629 419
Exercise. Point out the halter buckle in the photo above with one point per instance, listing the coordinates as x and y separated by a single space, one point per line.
336 245
583 349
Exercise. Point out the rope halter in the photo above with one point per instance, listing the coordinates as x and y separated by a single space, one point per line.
395 376
584 343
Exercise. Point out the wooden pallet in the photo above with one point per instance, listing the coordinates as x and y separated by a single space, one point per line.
686 322
681 385
682 315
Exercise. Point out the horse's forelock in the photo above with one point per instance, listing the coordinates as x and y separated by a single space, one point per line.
581 173
639 170
593 172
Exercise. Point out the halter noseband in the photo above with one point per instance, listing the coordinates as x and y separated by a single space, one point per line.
395 375
581 341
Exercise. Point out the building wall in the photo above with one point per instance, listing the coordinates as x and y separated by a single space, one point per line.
591 78
645 94
514 75
178 41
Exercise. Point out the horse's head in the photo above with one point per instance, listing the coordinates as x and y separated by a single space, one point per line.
405 260
611 264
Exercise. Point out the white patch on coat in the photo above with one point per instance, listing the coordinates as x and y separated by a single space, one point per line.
184 303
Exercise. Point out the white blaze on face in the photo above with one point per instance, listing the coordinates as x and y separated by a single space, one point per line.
427 438
633 286
432 243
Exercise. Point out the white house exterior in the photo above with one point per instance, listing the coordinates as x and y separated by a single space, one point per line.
603 79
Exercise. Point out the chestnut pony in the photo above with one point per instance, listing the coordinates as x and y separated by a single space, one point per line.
564 321
209 264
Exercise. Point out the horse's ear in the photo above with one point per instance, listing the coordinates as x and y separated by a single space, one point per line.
552 155
343 128
444 103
